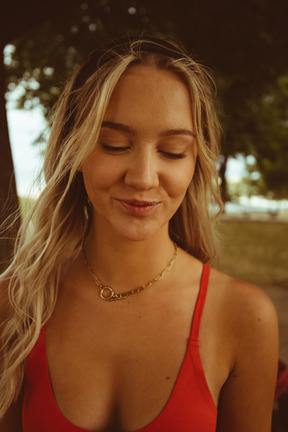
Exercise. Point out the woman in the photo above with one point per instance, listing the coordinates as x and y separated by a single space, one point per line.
111 282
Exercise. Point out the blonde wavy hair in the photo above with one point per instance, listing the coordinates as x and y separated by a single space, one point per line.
52 234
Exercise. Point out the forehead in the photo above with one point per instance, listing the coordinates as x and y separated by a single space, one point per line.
151 93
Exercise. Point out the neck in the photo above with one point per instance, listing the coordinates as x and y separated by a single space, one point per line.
124 264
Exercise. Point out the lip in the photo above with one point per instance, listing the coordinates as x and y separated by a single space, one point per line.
138 207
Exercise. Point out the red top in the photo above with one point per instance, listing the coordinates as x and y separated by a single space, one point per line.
190 407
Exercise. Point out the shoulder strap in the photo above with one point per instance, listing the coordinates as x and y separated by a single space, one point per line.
200 302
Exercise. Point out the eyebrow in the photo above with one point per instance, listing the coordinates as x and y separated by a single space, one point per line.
129 130
180 131
118 126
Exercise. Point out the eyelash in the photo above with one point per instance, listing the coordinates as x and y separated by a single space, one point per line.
174 155
169 155
113 149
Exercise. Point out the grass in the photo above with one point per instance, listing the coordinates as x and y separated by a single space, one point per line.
255 251
25 204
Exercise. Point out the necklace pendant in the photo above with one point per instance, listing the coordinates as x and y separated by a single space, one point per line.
107 293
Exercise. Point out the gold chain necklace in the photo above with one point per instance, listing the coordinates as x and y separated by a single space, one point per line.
107 293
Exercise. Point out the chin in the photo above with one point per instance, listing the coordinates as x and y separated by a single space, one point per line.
136 236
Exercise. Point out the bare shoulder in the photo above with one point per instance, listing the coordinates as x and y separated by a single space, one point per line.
249 320
243 304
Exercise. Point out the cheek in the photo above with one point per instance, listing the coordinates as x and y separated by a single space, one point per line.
180 181
99 175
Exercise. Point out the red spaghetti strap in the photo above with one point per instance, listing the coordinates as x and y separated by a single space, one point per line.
200 302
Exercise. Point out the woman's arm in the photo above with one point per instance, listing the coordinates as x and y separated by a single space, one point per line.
246 399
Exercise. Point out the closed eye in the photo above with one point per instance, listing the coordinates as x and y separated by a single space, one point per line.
170 155
113 149
116 149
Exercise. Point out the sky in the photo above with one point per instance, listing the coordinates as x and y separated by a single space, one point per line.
26 125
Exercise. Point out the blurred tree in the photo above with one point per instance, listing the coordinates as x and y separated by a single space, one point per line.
7 180
48 54
251 184
243 44
14 19
269 120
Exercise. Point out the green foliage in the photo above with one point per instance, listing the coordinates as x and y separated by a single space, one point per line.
266 172
243 45
251 184
47 55
255 251
271 138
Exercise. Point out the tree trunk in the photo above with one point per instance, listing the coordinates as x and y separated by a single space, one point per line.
9 204
15 20
222 175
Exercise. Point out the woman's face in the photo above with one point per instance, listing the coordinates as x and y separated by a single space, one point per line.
137 175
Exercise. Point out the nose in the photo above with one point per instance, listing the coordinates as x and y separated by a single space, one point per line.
142 173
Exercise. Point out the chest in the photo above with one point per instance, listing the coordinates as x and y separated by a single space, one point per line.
123 368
